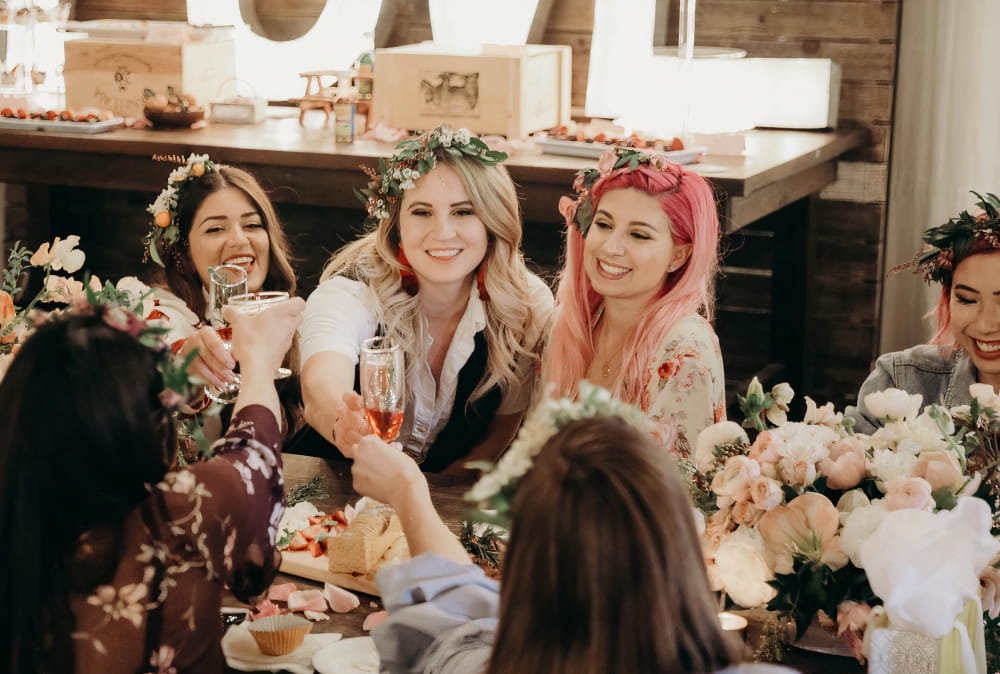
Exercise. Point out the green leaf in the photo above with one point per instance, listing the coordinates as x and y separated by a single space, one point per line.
944 498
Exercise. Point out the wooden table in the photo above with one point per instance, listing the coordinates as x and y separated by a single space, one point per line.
446 493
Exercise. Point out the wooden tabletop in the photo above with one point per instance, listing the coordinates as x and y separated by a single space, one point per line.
446 494
309 167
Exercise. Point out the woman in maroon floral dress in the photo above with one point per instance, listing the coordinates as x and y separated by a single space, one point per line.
116 561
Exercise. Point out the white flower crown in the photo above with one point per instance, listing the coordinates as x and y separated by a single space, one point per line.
496 487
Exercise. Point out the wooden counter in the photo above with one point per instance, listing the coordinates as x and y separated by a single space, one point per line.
780 166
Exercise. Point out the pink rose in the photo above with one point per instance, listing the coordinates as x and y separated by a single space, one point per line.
852 618
940 468
766 447
746 513
909 492
989 589
765 492
733 481
716 527
845 466
567 207
607 162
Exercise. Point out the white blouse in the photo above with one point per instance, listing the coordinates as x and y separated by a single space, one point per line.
342 313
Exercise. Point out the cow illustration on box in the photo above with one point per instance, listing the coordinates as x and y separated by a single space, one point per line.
449 93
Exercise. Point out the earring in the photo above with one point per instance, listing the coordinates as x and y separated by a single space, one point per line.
408 278
481 282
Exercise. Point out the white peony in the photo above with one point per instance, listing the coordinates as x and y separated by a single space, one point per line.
860 524
716 435
741 568
886 464
893 404
825 415
986 395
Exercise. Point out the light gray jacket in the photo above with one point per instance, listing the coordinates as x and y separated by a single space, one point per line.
920 369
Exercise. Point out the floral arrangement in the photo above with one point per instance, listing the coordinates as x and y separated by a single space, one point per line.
813 520
121 305
495 489
415 157
616 159
163 230
953 240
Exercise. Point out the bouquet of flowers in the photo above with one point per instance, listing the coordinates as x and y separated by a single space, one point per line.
811 519
57 290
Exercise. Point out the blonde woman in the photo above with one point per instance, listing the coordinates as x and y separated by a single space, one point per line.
441 272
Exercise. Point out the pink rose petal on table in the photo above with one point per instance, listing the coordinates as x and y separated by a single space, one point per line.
306 600
373 620
316 615
281 591
340 599
263 608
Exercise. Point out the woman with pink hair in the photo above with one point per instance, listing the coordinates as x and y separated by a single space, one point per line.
635 297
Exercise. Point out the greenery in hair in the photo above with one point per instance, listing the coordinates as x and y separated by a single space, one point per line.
164 230
414 158
948 244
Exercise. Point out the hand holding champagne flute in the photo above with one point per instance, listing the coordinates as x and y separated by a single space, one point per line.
227 281
383 386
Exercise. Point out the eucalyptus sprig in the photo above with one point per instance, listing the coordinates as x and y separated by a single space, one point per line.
312 489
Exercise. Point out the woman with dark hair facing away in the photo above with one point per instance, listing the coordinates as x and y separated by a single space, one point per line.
634 304
211 214
603 571
116 560
441 272
963 255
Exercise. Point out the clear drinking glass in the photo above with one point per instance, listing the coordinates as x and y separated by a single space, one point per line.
254 303
383 386
225 282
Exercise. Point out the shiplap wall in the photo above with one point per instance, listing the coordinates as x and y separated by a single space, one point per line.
860 35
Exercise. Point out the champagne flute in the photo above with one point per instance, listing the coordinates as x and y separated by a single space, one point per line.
254 303
225 281
382 386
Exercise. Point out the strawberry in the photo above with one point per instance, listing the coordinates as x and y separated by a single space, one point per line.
312 531
299 542
340 527
315 548
340 517
677 144
317 519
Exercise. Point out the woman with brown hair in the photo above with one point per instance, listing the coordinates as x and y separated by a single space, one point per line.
211 214
602 537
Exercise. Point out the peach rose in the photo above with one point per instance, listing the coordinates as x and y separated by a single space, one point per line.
940 468
845 466
909 492
733 481
852 618
766 447
765 492
746 513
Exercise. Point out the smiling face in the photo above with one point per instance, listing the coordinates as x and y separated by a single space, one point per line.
441 234
228 229
975 313
629 249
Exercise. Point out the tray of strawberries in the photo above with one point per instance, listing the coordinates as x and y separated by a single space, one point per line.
65 121
578 142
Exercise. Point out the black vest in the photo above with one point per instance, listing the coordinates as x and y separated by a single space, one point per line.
467 424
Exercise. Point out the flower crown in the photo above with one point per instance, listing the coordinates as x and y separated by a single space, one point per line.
495 489
615 161
415 157
164 230
952 241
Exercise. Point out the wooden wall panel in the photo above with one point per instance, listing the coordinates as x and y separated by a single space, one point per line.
161 10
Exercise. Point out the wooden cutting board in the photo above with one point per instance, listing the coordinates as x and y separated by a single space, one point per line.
302 563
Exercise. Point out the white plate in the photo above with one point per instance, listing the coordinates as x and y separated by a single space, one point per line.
575 148
347 656
64 127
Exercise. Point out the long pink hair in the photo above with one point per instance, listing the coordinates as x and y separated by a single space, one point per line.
687 200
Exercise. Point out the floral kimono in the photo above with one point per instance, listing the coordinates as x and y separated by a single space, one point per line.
206 527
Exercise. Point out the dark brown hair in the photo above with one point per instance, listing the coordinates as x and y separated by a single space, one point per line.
185 281
604 570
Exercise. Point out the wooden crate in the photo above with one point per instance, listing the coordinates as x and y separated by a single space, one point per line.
112 74
512 91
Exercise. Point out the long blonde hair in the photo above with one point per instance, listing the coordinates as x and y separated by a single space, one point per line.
374 260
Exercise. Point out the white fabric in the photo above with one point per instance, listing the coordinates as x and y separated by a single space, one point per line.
943 139
243 654
342 313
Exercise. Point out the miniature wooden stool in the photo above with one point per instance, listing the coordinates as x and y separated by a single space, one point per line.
317 95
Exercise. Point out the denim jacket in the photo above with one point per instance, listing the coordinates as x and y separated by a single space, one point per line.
919 369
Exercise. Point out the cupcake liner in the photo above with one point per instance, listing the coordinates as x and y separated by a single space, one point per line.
279 634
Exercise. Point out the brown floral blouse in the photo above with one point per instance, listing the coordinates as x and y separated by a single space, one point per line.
205 527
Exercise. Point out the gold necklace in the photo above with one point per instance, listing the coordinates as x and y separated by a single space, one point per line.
606 364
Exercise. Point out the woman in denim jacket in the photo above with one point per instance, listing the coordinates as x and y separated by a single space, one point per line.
963 255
